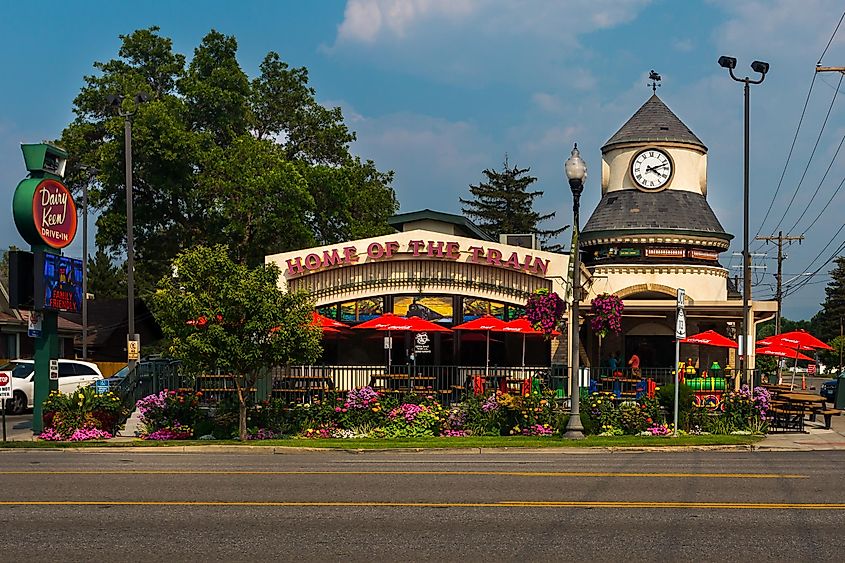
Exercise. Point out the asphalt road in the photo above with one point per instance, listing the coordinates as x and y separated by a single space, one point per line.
82 506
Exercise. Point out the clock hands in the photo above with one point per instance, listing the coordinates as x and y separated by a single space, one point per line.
654 168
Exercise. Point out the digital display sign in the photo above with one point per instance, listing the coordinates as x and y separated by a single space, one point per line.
62 283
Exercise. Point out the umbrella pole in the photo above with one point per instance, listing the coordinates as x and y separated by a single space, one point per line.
487 360
794 369
389 352
523 356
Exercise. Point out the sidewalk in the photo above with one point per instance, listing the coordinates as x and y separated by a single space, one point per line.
815 437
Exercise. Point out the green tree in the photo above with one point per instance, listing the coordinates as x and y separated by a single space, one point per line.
503 204
244 326
257 165
826 323
106 280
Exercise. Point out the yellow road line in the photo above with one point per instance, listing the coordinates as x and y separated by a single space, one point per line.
504 504
422 473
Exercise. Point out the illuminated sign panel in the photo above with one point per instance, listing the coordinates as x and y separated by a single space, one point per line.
62 279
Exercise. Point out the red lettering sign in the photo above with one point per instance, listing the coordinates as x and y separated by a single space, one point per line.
54 213
441 250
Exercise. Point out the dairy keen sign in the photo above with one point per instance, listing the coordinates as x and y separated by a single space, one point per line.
45 212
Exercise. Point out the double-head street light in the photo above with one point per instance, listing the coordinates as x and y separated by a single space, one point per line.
760 68
576 173
127 114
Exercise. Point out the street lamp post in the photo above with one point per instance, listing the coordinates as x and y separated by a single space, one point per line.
576 172
117 101
92 172
761 68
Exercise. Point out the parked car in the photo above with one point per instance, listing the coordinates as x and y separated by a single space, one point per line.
73 374
828 390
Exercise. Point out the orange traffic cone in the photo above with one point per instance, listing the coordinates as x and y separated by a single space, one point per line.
803 383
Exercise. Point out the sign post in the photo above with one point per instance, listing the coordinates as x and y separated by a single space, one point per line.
680 333
5 393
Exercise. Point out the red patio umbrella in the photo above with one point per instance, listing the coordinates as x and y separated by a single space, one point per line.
782 352
797 340
390 322
324 322
484 323
800 339
711 338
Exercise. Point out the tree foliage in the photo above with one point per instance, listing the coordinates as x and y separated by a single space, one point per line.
106 280
503 204
256 165
241 323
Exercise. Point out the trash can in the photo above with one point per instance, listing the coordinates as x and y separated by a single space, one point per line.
839 393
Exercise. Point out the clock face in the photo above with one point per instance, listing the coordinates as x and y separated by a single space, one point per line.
651 169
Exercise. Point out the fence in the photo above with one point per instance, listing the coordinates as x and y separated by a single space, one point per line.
307 383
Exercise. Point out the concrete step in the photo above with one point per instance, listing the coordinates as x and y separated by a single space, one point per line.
132 428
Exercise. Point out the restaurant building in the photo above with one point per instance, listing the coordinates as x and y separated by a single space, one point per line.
437 266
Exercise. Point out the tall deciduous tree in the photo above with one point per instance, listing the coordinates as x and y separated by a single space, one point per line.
503 204
257 165
241 322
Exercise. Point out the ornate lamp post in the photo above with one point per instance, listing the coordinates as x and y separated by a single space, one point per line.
761 68
576 172
117 102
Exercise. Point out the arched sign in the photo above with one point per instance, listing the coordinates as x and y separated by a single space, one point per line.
45 212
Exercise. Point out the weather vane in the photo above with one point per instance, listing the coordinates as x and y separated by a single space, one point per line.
655 78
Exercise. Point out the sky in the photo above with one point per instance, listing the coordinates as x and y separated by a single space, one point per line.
439 90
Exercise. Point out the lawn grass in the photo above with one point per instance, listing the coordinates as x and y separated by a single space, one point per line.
426 443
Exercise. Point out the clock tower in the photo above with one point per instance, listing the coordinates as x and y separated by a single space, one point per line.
653 230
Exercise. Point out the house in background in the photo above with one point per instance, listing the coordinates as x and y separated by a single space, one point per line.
108 327
14 342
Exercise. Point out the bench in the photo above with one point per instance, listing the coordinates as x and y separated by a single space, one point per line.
786 419
828 414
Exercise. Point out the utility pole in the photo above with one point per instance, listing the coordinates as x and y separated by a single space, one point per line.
840 345
780 240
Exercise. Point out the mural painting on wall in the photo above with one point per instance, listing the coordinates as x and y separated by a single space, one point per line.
438 309
474 308
361 310
329 311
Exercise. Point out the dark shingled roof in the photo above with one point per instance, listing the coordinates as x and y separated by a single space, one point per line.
654 122
670 210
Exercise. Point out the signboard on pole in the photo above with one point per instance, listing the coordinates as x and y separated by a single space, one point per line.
101 386
388 342
54 369
811 369
133 348
681 325
5 386
33 328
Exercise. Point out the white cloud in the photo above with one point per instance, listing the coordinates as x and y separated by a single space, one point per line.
367 21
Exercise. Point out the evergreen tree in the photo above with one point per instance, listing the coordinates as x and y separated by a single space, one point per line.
503 204
106 280
825 324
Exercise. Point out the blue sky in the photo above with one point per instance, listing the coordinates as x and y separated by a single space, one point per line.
438 90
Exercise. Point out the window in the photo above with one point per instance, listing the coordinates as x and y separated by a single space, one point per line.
361 310
66 370
437 309
82 369
474 308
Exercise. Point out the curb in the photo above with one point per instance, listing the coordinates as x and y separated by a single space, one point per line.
282 450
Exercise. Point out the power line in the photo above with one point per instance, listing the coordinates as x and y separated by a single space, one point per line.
798 128
824 207
812 154
824 177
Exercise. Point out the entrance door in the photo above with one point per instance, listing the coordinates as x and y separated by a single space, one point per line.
654 351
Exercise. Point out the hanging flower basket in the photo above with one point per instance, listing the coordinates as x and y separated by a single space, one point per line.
607 314
544 311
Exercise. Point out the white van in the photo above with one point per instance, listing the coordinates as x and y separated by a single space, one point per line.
73 374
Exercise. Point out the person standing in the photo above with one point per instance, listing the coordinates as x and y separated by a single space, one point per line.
634 362
613 363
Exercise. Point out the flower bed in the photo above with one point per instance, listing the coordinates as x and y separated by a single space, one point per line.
81 415
169 415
